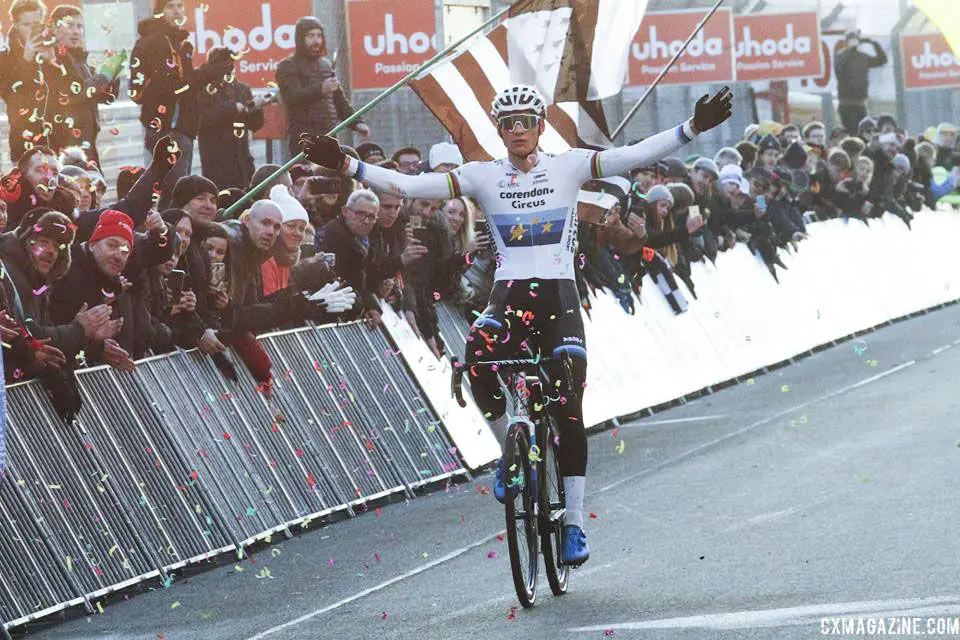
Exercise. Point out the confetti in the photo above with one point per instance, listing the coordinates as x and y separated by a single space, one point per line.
750 381
621 446
513 614
175 605
785 388
607 632
491 554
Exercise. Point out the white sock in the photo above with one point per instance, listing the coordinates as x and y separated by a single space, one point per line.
573 488
499 428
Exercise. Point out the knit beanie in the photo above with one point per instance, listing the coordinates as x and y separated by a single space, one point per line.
708 165
769 141
289 206
189 187
659 192
681 194
113 224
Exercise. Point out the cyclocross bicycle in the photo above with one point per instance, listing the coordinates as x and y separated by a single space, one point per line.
535 501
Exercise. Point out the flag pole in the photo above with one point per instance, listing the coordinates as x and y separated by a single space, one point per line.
670 64
242 202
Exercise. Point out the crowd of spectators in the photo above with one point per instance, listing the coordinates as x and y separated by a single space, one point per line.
170 264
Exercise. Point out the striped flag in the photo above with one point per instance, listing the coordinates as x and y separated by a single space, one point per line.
574 51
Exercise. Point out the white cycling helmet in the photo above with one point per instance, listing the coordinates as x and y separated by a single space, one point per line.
519 97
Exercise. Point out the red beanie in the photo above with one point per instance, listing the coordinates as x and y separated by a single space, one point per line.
113 223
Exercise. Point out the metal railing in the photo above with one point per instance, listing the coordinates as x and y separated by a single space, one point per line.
173 464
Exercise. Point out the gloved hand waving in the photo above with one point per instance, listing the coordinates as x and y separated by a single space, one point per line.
714 111
323 150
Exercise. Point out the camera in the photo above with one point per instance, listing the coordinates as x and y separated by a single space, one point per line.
268 99
320 185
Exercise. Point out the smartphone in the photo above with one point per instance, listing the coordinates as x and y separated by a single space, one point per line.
329 258
762 203
175 284
218 276
319 185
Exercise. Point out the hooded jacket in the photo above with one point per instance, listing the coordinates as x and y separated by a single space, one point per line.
33 290
301 77
161 65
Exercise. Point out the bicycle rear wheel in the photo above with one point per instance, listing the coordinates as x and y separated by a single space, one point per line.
521 515
552 509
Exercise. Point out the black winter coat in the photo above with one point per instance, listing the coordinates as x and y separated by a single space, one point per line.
21 98
355 265
225 158
95 89
85 283
163 80
301 79
853 69
67 335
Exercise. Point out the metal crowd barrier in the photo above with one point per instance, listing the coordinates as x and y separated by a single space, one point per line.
174 464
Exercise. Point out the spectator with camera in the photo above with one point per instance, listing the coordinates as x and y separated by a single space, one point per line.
228 117
852 67
884 182
167 87
311 93
78 110
25 40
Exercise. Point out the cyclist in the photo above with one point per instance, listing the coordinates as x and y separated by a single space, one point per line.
530 199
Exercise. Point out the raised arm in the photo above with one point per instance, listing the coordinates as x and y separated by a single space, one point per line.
426 185
326 152
612 162
708 114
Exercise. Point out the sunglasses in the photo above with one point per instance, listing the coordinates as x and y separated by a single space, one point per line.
526 121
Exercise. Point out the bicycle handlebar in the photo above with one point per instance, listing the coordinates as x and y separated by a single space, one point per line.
456 377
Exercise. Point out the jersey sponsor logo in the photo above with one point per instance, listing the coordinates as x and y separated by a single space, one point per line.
530 199
544 228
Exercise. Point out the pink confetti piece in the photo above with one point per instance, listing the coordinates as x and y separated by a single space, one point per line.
491 554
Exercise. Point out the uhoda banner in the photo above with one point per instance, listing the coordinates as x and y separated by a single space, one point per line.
928 62
388 40
777 46
707 59
262 31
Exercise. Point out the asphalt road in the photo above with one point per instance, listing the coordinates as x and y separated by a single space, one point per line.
823 489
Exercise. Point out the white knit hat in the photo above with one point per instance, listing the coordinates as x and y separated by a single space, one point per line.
289 206
445 153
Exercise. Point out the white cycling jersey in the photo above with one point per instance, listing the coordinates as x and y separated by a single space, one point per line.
532 215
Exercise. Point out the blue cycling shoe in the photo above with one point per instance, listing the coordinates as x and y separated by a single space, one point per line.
575 548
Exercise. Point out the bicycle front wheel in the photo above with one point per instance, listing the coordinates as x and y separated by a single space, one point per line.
552 509
521 515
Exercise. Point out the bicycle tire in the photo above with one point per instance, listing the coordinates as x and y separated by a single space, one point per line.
552 507
522 537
